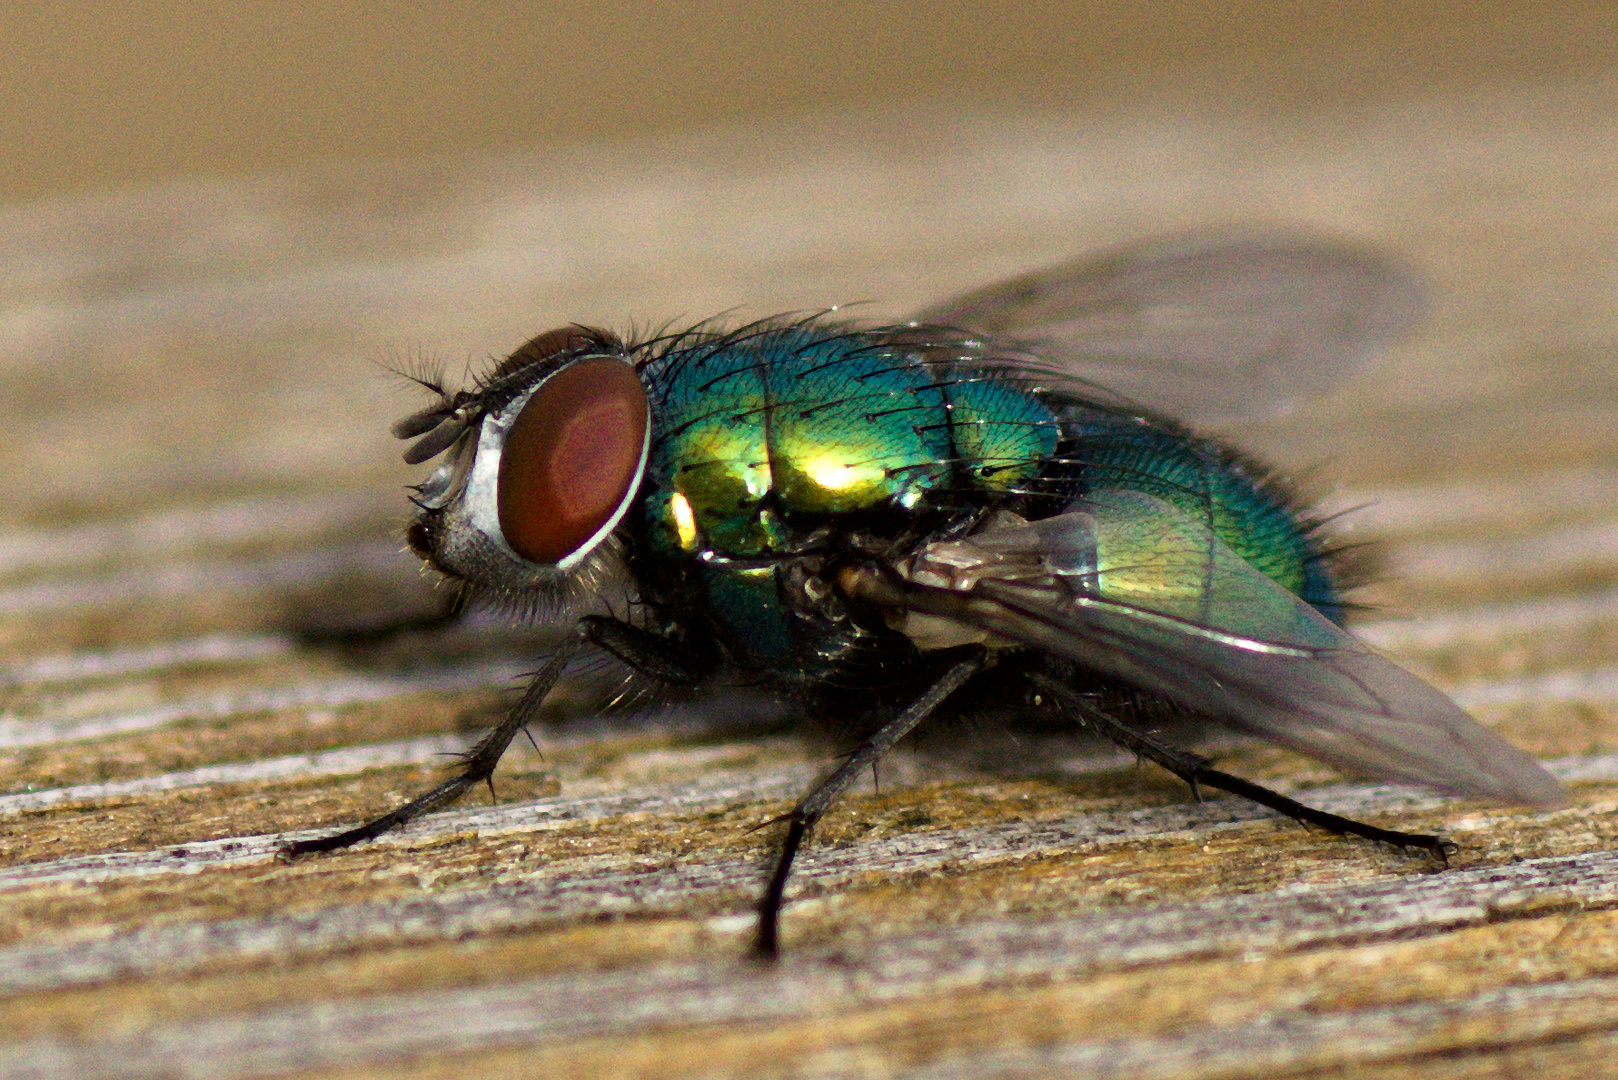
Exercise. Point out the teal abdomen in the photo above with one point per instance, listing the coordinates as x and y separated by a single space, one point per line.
1214 487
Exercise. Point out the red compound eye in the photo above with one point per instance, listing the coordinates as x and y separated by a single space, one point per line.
570 458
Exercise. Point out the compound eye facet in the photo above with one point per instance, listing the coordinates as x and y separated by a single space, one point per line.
571 458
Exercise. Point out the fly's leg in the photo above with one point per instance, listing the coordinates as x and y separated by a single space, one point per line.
1194 770
678 663
656 656
813 806
478 767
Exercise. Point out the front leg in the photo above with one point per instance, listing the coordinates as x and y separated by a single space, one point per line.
675 662
646 652
479 766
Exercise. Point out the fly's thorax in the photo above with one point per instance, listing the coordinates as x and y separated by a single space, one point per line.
1002 433
756 434
781 615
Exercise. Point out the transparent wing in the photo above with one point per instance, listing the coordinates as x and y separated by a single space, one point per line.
1209 327
1128 586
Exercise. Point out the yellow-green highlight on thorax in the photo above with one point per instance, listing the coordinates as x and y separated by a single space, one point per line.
814 420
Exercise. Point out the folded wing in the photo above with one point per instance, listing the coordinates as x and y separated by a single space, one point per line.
1127 586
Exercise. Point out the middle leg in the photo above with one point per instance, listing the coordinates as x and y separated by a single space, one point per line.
1195 770
813 806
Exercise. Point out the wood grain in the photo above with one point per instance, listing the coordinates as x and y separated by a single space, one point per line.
199 472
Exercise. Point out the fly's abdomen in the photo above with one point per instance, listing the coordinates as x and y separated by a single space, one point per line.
1213 485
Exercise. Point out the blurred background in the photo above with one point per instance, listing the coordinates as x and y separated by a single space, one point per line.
219 224
105 95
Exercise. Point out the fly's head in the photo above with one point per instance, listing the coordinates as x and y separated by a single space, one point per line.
542 459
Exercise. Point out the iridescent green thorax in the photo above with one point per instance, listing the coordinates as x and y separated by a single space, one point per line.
1213 485
758 435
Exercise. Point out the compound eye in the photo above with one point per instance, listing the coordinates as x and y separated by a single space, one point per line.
571 458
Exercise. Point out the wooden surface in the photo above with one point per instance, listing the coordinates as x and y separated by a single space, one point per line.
198 467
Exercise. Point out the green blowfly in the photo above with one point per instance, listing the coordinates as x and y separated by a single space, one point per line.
999 500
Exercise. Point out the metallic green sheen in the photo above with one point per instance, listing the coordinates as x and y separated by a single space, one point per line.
746 600
758 437
763 436
1152 558
798 422
1200 480
1005 432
